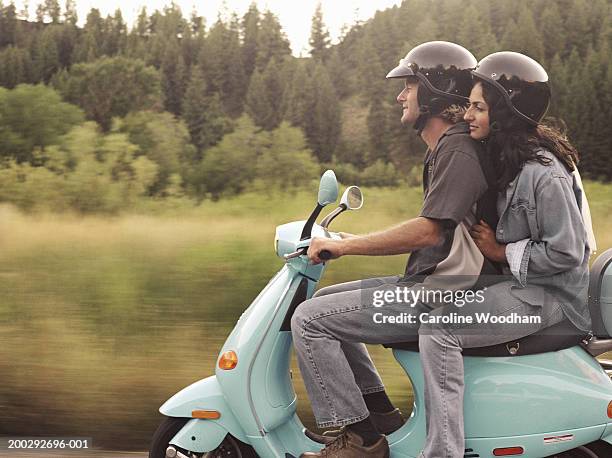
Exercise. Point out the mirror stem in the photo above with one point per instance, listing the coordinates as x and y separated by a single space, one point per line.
307 231
329 218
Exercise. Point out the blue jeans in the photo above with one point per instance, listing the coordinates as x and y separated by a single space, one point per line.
442 361
329 332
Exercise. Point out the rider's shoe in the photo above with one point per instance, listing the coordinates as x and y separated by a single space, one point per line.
350 445
385 423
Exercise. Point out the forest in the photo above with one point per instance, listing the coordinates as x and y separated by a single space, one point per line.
103 117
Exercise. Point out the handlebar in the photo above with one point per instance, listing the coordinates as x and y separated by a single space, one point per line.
295 254
325 255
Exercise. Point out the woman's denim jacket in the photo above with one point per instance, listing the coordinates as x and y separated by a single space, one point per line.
547 249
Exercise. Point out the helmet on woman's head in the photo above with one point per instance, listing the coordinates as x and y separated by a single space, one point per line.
521 81
443 70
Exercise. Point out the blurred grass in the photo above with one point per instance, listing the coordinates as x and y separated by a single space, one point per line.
104 318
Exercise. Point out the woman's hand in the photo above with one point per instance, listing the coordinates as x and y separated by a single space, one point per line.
484 237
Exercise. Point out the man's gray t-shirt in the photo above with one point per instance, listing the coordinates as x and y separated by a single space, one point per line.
453 182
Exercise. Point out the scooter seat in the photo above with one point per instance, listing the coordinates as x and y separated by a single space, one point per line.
554 338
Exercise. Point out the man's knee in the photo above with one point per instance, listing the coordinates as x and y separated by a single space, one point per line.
301 315
327 290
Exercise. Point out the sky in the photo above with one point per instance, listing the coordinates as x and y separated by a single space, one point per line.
295 16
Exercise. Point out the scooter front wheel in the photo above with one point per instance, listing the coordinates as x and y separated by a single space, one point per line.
229 448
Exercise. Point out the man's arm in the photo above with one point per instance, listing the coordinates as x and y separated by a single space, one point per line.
405 237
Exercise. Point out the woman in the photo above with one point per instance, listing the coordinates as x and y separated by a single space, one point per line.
541 239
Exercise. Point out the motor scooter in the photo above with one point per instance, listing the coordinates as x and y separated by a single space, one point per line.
537 397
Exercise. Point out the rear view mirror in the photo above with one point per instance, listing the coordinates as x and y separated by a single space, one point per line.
352 198
328 189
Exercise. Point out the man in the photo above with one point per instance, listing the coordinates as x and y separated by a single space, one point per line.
329 330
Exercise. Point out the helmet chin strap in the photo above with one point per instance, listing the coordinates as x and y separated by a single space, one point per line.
494 127
421 121
495 124
427 111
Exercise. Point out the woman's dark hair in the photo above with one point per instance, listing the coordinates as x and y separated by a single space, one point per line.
512 141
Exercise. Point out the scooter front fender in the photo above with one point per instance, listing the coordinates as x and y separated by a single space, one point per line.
202 435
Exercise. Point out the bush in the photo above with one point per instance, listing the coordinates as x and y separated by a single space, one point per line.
33 117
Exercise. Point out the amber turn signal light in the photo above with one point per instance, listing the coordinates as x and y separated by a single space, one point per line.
610 409
205 414
228 360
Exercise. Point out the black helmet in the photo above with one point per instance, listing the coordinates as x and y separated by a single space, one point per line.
522 82
444 69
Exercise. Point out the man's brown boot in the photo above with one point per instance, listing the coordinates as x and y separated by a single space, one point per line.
385 423
350 445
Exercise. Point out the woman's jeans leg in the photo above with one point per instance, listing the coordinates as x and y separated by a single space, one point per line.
442 361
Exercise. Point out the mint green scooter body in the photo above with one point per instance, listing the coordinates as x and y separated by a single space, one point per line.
545 403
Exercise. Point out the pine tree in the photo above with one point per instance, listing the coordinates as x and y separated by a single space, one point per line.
70 13
8 25
202 113
322 120
426 30
551 25
174 77
212 56
235 81
577 30
48 55
296 104
272 42
523 36
578 101
192 39
90 45
371 74
40 13
115 37
593 145
221 57
475 31
197 24
137 39
52 10
558 82
257 105
14 69
319 36
378 132
250 38
340 77
142 23
66 41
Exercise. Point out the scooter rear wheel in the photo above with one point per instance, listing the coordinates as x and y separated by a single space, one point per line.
229 448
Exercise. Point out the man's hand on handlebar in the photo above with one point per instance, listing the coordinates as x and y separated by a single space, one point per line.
318 244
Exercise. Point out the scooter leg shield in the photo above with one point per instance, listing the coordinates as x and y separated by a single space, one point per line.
204 394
